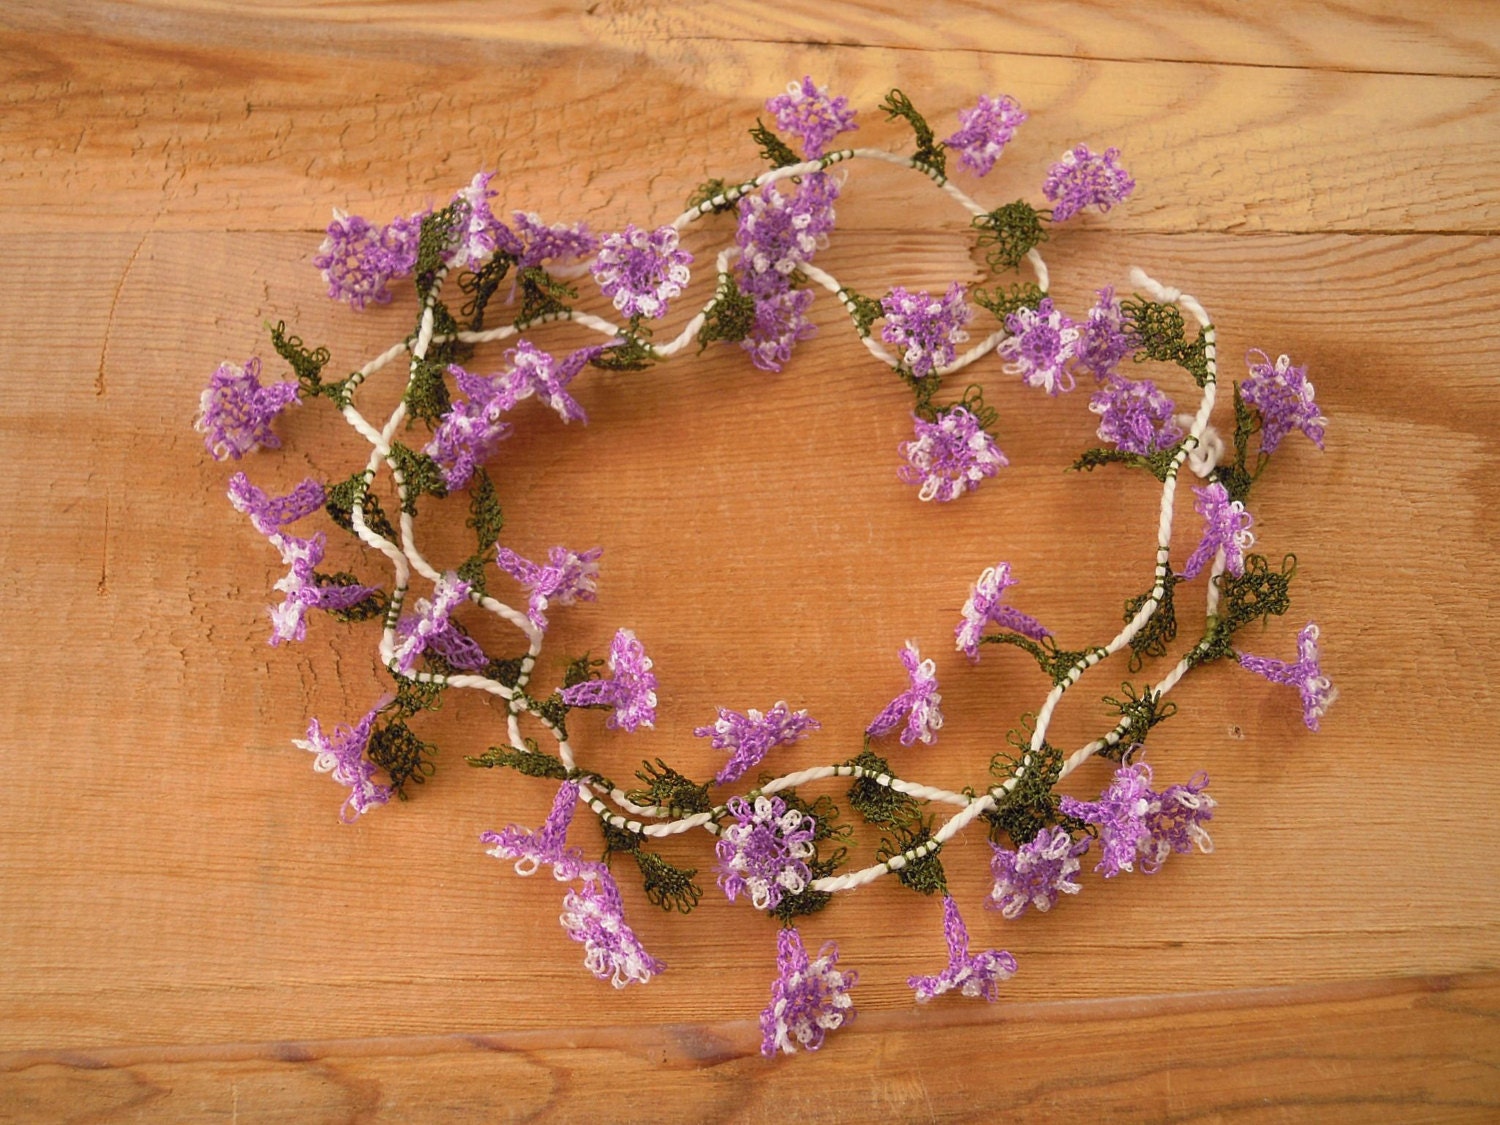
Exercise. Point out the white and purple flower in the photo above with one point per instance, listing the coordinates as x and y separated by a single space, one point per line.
985 130
568 577
1304 674
979 974
595 916
1134 415
1284 396
1135 822
917 705
926 329
985 607
1226 527
235 410
1043 342
809 998
630 690
641 271
807 111
751 736
343 755
1036 873
764 852
949 456
432 629
1083 178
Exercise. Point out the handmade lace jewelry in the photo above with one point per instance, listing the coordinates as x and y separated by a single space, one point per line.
779 851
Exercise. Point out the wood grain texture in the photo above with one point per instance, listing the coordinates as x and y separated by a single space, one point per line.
1261 1055
173 876
213 119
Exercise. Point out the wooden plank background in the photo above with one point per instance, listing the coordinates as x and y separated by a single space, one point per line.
189 932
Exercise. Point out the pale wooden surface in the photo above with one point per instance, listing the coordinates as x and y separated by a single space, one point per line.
188 931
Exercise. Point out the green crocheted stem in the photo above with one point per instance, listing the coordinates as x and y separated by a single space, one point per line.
729 317
919 868
1139 712
863 311
1256 595
1160 463
342 498
1029 805
667 788
1160 628
879 804
542 295
1057 663
404 756
1007 234
481 286
307 364
1160 334
416 475
773 150
427 396
712 197
530 761
930 151
1004 302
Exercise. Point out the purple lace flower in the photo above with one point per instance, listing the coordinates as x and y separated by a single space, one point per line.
433 629
547 845
355 261
631 691
479 233
1226 527
750 737
779 233
1036 873
1317 691
289 619
949 456
270 514
569 577
303 591
235 410
764 853
1135 416
925 328
918 704
595 916
780 323
535 372
809 999
985 130
806 111
473 427
401 239
1284 398
1042 343
1104 342
642 270
343 755
533 242
977 975
1086 179
984 607
1175 823
1122 815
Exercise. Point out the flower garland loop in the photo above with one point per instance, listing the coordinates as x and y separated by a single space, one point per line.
775 848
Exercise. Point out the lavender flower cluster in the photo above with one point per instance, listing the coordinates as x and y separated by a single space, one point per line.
774 848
